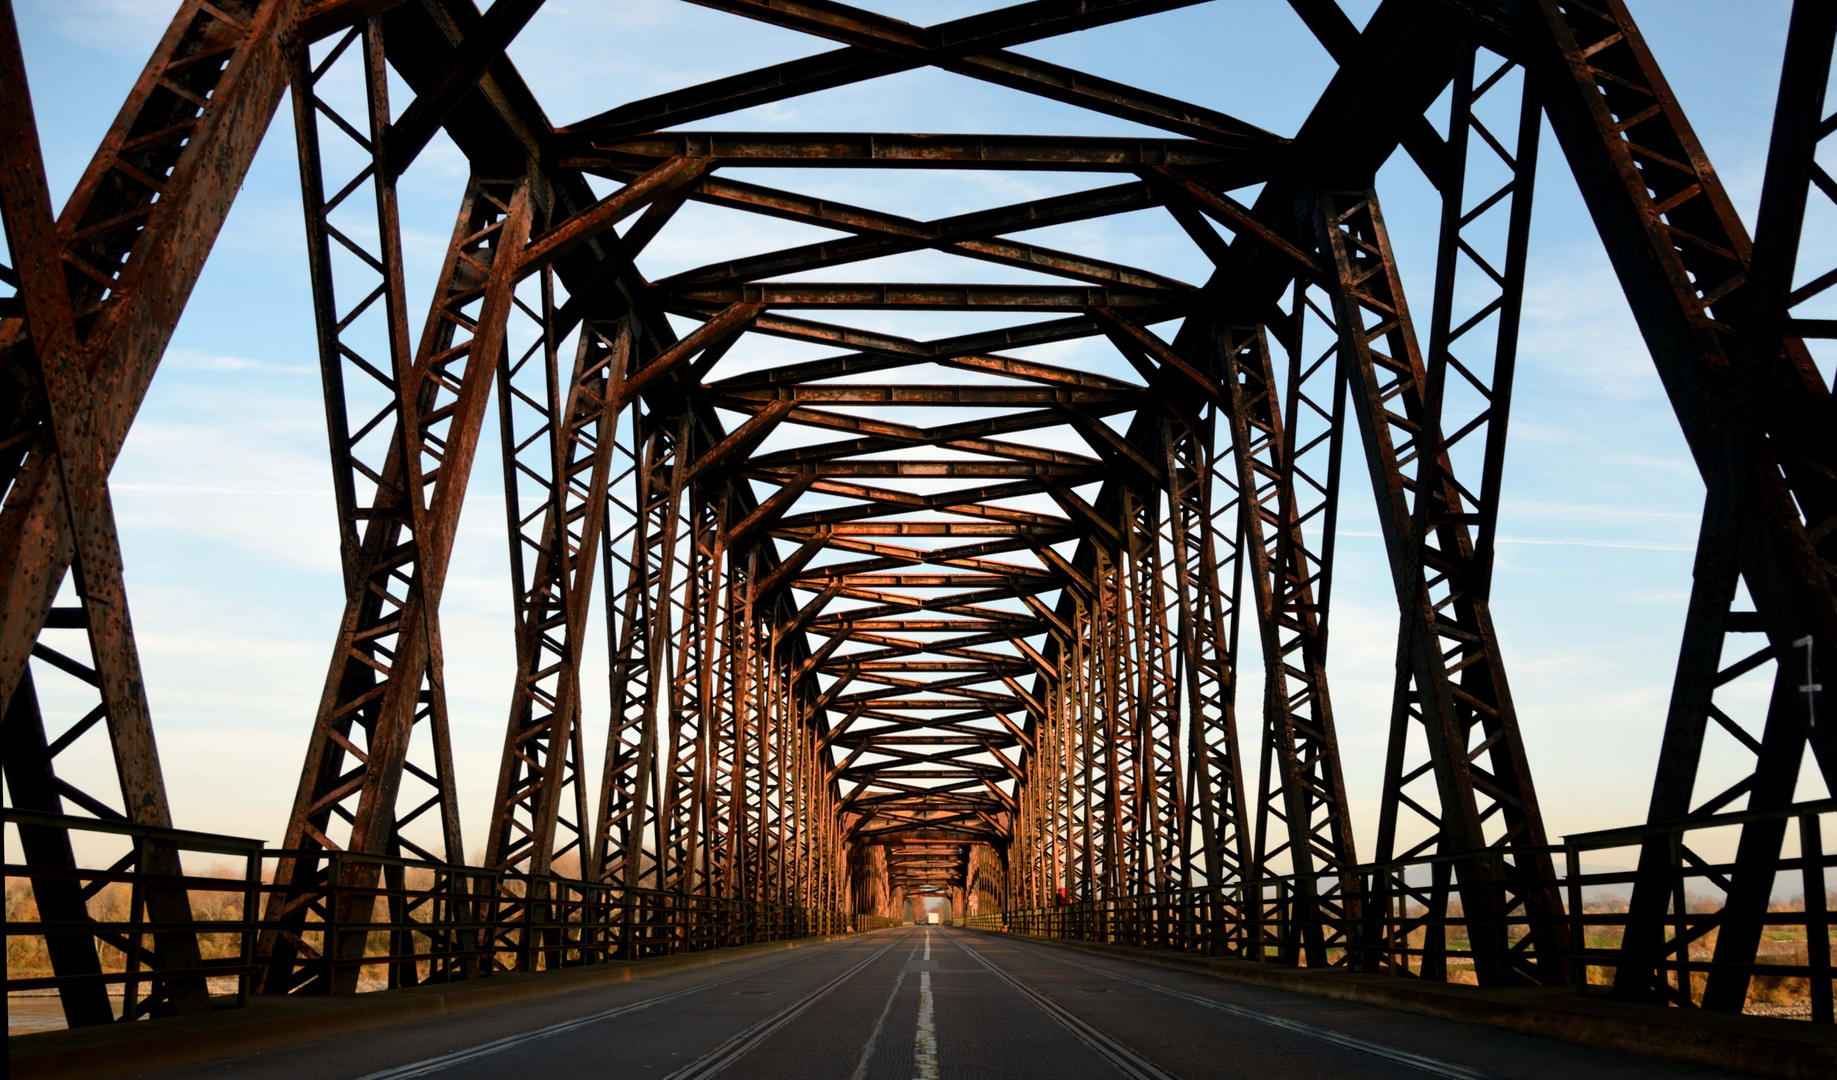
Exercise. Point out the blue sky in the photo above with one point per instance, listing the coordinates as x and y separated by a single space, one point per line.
223 492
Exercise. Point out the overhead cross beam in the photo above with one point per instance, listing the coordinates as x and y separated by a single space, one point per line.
882 150
975 46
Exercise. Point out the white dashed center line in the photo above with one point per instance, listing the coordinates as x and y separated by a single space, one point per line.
925 1046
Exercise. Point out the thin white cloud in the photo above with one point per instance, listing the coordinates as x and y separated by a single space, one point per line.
188 489
220 477
1577 326
126 28
1634 545
1596 511
1540 541
199 360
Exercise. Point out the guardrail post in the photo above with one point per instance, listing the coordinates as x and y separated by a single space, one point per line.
137 898
250 927
401 938
1817 919
1285 928
1385 932
457 929
1249 931
334 915
1679 962
1435 924
463 933
58 899
1578 922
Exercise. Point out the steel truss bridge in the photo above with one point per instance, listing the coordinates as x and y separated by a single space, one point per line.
857 660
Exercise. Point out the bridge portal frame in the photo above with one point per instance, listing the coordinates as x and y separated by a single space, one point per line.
1101 762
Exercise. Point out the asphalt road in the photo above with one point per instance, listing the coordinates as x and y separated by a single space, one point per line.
919 1003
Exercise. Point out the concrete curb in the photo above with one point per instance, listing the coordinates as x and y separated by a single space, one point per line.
104 1053
1759 1045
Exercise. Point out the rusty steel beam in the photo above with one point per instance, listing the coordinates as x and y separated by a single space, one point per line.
500 125
893 150
943 47
135 232
409 133
990 30
554 547
563 238
1303 781
916 297
1451 674
388 641
969 351
948 396
357 360
1715 311
73 441
1480 256
974 235
102 288
327 17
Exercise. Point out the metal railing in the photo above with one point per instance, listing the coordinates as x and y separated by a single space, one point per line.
432 922
1423 919
1687 932
419 921
396 921
151 960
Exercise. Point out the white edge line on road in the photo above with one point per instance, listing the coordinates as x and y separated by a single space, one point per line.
873 1037
714 1061
422 1068
1127 1061
1351 1042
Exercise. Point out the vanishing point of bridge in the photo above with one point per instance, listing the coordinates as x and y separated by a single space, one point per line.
901 626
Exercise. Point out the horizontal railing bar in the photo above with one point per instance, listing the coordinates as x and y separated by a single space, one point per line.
1628 835
181 838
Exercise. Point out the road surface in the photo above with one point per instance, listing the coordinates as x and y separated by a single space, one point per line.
924 1002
